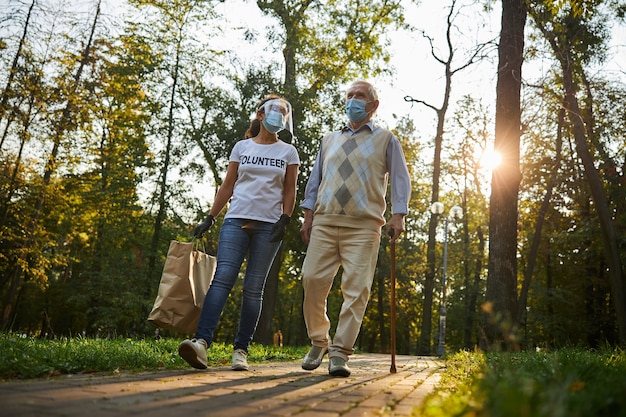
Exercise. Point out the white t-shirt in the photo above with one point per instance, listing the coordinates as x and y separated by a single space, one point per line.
258 190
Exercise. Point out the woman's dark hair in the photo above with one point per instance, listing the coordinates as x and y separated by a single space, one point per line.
255 124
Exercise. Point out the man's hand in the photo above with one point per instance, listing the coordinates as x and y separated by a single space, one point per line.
395 226
307 225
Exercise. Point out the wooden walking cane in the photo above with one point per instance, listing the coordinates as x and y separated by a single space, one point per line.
393 303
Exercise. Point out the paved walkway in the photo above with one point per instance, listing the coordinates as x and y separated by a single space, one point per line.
275 389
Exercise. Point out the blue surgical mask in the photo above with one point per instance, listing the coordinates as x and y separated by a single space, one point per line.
355 110
274 121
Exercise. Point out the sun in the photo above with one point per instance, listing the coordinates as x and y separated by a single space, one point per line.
490 159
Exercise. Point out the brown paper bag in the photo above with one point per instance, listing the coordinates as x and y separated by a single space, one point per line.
187 275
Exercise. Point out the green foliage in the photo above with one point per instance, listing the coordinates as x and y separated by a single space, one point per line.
75 247
568 382
28 357
572 242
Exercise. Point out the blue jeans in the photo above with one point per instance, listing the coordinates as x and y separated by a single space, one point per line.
239 237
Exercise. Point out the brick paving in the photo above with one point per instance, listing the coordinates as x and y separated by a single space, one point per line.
274 389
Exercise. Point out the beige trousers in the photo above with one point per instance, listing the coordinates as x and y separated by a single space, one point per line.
330 247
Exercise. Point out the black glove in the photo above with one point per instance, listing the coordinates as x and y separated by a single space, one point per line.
278 230
201 229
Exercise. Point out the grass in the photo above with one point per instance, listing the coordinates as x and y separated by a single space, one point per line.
563 383
27 357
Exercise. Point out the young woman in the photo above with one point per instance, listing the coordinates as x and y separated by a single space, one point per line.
260 184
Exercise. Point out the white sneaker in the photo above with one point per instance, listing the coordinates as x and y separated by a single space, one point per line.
194 352
240 360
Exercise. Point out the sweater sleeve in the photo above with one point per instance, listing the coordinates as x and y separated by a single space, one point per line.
313 183
399 176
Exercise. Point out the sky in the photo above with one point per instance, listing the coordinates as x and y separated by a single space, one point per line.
417 74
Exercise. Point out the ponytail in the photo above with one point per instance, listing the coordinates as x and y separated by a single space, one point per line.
255 125
253 129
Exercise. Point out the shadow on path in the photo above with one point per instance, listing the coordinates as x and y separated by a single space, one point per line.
274 389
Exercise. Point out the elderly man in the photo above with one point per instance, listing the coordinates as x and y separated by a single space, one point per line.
344 210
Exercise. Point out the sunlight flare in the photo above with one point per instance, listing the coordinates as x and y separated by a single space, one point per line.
490 159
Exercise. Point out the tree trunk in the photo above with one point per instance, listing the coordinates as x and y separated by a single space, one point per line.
601 202
61 128
541 217
424 346
167 155
501 295
6 93
472 293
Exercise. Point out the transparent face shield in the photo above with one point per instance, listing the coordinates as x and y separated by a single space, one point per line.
278 118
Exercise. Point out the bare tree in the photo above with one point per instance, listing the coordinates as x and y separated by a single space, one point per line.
424 345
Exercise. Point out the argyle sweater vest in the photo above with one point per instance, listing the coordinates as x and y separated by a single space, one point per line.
354 179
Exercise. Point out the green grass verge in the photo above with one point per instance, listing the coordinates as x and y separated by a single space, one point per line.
26 357
564 383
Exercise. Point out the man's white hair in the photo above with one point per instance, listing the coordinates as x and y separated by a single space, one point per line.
370 88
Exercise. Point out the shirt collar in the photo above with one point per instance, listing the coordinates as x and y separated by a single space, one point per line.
348 128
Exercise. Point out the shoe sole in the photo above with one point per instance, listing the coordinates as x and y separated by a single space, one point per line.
339 372
239 368
311 367
190 356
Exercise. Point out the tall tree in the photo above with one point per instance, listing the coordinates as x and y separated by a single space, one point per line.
576 38
470 166
569 298
529 270
450 68
7 91
501 295
66 121
318 59
170 34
